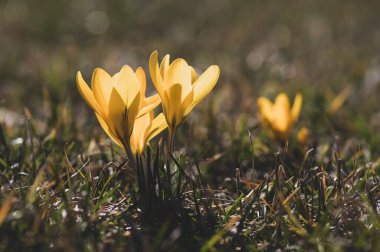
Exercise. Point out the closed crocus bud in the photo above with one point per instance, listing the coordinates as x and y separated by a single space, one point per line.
303 136
179 86
279 117
118 101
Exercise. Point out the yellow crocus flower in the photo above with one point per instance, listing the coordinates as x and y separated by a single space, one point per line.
303 136
146 127
179 86
279 116
118 101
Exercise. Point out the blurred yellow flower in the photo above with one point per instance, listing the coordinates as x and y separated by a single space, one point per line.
118 101
146 127
279 117
303 136
179 86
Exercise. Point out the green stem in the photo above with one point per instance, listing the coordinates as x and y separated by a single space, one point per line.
168 156
130 155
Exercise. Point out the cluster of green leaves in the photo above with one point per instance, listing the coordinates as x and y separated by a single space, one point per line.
81 196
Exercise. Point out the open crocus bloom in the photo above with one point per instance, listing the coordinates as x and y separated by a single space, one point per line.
179 86
118 100
146 127
278 116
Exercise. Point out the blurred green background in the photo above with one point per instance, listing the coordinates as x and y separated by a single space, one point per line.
262 47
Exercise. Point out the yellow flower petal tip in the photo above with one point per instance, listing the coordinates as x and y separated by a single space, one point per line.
180 87
279 117
118 101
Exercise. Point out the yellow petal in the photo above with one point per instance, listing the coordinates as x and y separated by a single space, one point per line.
153 99
133 111
87 94
179 72
157 126
153 62
108 130
281 117
164 66
141 77
143 137
265 108
117 81
101 85
140 128
166 108
117 113
194 75
296 109
187 103
155 73
173 108
133 143
149 104
203 86
127 85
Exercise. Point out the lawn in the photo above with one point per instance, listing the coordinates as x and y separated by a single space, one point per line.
231 173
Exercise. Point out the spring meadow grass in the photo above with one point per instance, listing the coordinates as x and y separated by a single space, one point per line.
260 133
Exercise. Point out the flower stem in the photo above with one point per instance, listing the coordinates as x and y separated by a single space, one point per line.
130 155
168 156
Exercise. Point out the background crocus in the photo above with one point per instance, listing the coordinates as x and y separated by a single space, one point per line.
118 101
179 86
303 136
279 117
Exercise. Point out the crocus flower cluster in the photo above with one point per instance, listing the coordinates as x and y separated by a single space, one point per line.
127 115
